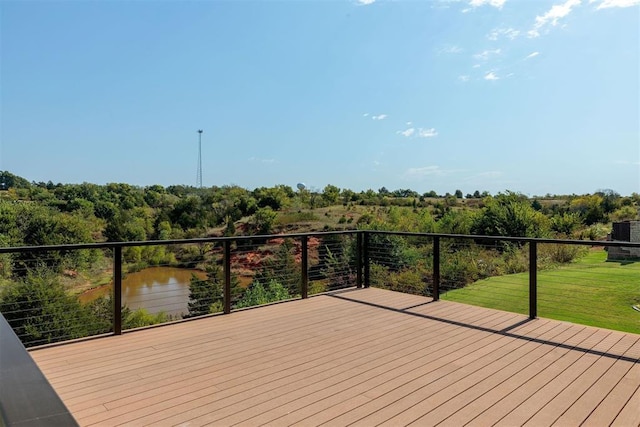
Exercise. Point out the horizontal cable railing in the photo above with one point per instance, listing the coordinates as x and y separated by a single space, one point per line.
56 293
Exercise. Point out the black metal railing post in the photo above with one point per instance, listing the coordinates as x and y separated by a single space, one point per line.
533 280
304 282
365 255
117 290
226 295
436 268
359 260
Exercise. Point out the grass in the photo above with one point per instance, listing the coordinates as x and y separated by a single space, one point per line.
589 291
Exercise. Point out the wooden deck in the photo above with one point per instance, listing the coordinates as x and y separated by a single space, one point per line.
364 357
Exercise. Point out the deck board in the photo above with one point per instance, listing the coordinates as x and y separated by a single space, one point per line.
365 357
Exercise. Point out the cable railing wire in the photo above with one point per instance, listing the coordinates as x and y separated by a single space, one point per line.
241 272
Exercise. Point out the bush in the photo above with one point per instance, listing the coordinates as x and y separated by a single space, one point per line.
40 311
550 255
259 294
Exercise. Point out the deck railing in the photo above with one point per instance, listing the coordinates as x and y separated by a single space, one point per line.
564 279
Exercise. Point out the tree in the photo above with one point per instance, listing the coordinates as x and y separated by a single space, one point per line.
282 268
264 219
330 194
456 222
41 312
206 295
458 194
590 208
189 213
509 215
565 223
347 196
37 225
276 197
610 200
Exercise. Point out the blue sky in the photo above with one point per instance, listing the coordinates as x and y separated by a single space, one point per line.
530 96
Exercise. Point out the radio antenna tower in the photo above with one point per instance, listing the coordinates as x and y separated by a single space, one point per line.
199 176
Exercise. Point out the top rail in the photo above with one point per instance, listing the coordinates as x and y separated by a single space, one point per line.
110 245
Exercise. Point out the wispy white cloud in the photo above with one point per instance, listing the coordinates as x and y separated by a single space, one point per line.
407 132
494 3
617 3
427 133
418 173
552 17
485 55
451 49
419 132
532 55
379 117
491 76
258 159
409 123
464 78
365 2
497 33
365 115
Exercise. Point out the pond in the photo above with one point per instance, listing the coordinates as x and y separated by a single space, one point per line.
155 289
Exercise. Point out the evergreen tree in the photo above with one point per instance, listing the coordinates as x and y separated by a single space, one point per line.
206 295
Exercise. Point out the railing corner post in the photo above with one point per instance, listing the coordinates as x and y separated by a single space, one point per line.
304 267
436 268
117 290
226 294
359 243
367 264
533 280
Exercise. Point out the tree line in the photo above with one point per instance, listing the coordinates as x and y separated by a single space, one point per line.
51 214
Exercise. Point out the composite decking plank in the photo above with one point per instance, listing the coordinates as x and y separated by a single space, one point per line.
357 381
403 393
368 355
203 410
570 395
444 403
630 414
231 349
368 385
499 402
195 328
208 407
311 359
349 334
435 395
188 339
614 402
468 411
616 369
250 379
553 385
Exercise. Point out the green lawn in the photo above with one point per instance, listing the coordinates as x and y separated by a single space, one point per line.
590 291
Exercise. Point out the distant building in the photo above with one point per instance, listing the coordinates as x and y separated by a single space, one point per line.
627 231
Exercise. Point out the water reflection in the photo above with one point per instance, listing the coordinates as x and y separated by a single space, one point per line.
155 289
